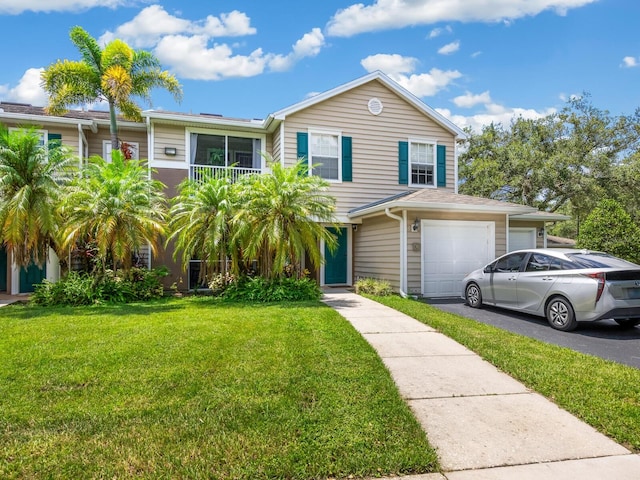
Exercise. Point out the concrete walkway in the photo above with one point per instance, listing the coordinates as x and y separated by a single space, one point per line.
483 424
6 299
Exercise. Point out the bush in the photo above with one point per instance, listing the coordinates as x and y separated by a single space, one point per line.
259 289
373 286
112 287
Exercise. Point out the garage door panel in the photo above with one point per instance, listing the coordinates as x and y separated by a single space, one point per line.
451 249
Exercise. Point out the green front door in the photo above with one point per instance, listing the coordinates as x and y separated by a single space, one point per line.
30 276
3 269
335 269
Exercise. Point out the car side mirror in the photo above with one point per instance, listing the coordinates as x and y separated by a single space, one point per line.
488 269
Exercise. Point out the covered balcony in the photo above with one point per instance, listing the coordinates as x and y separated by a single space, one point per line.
213 155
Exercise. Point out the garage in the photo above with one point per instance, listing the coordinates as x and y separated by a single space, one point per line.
450 250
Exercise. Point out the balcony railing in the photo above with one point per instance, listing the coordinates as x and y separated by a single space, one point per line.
202 172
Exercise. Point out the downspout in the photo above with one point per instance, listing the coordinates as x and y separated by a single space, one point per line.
403 250
82 141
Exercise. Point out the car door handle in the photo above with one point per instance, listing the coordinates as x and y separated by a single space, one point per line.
512 279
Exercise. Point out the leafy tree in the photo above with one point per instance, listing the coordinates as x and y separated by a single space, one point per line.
115 206
610 229
31 178
281 217
114 74
562 162
200 223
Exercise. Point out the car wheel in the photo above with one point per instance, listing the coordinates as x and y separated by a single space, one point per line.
627 322
560 314
473 295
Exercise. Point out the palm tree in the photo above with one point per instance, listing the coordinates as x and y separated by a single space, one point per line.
200 224
31 177
282 215
115 206
113 74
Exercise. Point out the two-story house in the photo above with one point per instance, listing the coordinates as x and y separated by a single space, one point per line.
391 161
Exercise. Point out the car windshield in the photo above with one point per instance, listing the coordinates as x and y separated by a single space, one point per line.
599 260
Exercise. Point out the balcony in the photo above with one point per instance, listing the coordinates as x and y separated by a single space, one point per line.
200 173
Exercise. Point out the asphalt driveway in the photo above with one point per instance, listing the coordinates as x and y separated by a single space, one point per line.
602 339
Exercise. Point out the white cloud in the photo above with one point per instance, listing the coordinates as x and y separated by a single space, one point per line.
28 89
391 14
401 69
449 48
493 113
436 32
152 23
15 7
308 46
391 64
469 100
630 62
191 57
476 54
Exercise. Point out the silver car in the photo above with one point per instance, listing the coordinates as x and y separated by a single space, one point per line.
564 285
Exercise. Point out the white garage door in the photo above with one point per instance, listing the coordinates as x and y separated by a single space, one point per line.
450 250
521 238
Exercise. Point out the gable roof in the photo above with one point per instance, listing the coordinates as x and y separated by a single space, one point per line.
438 199
382 78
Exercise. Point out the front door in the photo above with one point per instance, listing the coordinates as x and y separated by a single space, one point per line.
30 276
3 269
335 269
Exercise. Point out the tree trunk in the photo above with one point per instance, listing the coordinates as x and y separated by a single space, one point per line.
113 127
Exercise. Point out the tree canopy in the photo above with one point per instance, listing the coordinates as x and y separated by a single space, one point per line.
116 74
565 162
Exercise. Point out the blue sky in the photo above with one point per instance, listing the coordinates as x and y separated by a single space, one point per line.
475 61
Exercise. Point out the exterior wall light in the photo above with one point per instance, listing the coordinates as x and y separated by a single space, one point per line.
170 151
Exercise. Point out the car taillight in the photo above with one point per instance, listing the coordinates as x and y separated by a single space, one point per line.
600 277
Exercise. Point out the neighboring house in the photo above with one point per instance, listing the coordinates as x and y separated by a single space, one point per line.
86 133
391 161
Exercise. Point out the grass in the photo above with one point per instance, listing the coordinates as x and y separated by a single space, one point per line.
188 388
604 394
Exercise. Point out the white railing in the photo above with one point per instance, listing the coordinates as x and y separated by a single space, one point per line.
201 172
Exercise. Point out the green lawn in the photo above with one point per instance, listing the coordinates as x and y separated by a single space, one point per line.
603 393
187 388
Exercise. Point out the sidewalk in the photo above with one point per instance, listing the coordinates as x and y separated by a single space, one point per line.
483 423
6 299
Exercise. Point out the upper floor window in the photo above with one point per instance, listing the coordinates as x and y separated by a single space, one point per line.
324 155
130 149
225 151
422 163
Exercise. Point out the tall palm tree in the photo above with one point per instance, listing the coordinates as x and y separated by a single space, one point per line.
200 224
114 74
117 207
282 215
31 177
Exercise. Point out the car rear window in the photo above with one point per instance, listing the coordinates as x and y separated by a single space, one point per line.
599 260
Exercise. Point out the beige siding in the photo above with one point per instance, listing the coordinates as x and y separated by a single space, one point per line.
130 136
374 140
275 147
169 136
376 248
70 134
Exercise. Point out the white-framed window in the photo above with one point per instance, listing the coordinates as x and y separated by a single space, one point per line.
325 156
132 147
422 163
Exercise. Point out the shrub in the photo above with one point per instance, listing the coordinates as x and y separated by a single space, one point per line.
112 287
219 283
260 289
610 229
373 286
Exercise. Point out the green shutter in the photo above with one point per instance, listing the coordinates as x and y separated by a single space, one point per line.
54 140
442 165
303 146
347 160
403 163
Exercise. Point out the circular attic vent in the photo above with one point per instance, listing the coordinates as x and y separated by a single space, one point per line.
375 106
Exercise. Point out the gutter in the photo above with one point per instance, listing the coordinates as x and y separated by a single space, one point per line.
403 249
